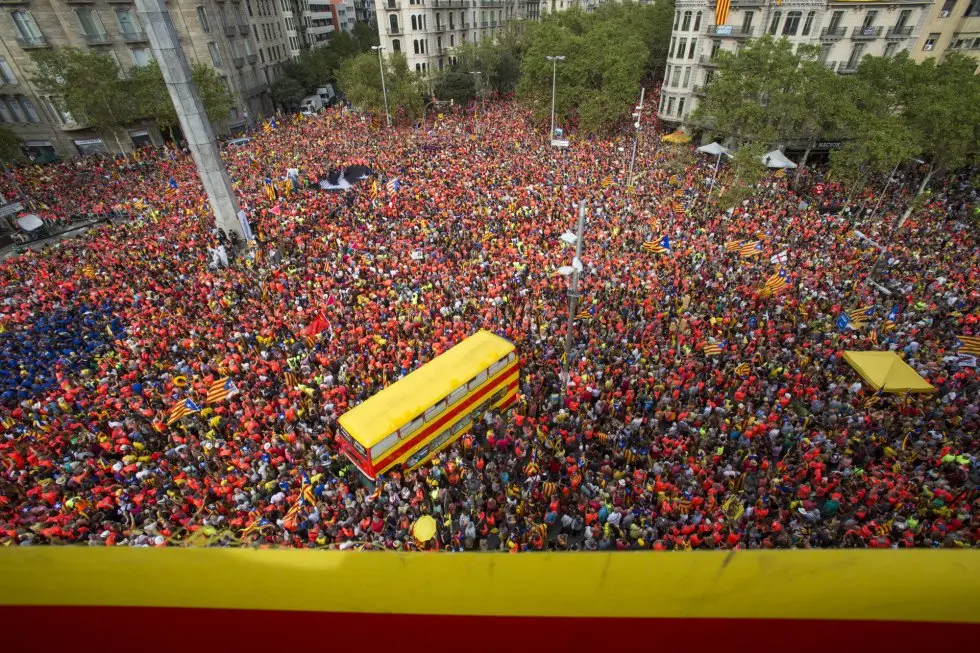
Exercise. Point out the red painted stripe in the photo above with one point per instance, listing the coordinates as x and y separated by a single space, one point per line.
76 629
432 429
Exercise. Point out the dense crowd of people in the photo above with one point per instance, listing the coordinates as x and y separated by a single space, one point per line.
700 412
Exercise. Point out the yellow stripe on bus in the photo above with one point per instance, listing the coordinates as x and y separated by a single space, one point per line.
914 585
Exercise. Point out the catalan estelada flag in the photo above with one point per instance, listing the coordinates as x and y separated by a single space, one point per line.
776 282
679 208
583 315
743 369
750 248
661 246
733 245
861 315
290 380
968 345
182 409
221 390
607 182
713 349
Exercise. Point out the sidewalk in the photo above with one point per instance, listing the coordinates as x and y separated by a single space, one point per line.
72 231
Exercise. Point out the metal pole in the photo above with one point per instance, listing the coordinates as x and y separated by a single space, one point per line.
714 176
636 138
384 89
554 73
885 190
573 298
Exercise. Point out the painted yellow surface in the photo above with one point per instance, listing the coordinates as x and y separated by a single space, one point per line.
402 401
912 585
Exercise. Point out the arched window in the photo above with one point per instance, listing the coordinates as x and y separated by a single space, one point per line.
415 45
697 21
792 24
414 23
393 23
396 45
418 67
686 25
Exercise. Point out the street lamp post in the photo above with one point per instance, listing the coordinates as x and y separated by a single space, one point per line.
573 296
636 137
437 103
554 72
384 89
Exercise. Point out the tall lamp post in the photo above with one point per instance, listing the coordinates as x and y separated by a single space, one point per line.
573 294
636 136
384 89
554 72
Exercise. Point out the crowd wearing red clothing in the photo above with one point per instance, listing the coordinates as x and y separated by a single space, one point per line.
655 444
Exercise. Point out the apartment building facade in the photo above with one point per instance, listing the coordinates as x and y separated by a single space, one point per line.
845 30
426 31
242 41
952 26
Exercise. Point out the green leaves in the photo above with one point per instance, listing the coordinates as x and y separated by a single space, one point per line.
360 79
287 91
456 86
606 57
9 145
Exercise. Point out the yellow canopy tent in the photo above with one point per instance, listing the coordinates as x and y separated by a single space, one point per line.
678 138
886 371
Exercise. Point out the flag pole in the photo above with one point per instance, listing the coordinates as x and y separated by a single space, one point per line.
573 296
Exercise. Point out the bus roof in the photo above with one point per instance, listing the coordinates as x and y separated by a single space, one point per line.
402 401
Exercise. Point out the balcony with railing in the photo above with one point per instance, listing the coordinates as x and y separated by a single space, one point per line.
395 31
484 24
252 59
99 38
848 67
393 5
439 29
29 42
729 30
707 60
229 30
899 32
698 90
243 30
238 61
134 37
832 33
866 33
465 26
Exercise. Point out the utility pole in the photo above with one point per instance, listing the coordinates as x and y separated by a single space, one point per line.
636 137
573 296
190 112
384 89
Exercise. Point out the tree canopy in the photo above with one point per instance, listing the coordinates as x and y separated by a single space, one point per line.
360 79
153 100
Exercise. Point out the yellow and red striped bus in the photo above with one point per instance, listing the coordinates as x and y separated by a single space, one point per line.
412 419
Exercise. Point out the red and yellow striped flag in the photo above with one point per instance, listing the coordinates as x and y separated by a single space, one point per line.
721 11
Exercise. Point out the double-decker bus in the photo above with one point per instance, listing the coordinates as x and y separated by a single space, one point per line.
409 421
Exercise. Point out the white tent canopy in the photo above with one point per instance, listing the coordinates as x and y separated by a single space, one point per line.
777 159
715 149
30 222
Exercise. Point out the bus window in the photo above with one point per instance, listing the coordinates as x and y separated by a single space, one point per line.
456 395
499 365
410 428
461 424
383 446
477 380
435 410
511 357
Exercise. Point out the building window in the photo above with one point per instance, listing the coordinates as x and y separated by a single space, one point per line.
891 49
6 72
396 45
681 47
16 109
215 55
931 41
680 107
670 106
697 21
973 9
677 19
690 51
418 67
686 25
687 77
869 19
128 23
673 44
677 76
415 24
808 23
415 45
856 55
667 74
792 24
25 25
715 47
774 24
393 23
903 19
747 22
29 109
5 115
90 22
835 20
141 56
947 8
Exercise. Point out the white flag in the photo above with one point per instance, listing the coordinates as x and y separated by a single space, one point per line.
780 258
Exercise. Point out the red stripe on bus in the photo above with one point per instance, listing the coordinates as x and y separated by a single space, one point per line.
448 416
26 628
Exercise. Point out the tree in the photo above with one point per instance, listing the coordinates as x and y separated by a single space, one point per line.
89 85
820 108
599 80
360 79
287 92
753 95
746 171
498 61
457 86
152 99
365 35
9 145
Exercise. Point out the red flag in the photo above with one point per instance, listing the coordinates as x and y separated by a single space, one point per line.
275 210
318 324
